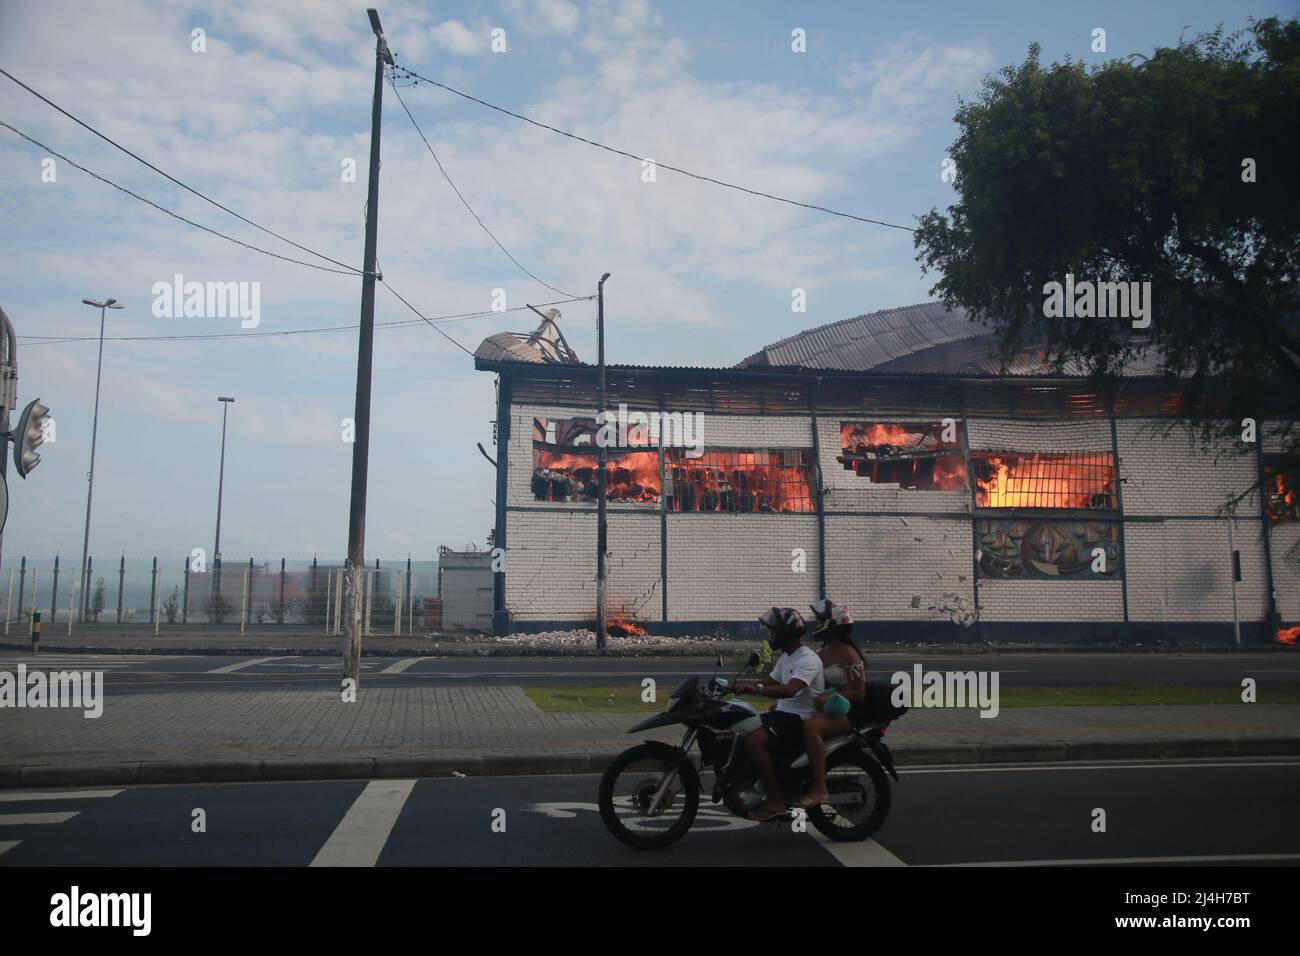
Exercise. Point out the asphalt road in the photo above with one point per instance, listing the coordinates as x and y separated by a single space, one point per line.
1189 812
136 673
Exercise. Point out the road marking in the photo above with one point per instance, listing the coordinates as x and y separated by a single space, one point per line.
1135 765
1147 860
361 834
231 668
20 796
29 819
402 665
7 845
859 853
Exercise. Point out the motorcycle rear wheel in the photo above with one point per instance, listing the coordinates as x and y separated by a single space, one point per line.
648 832
867 793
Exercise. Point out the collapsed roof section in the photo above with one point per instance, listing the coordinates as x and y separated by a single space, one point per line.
545 344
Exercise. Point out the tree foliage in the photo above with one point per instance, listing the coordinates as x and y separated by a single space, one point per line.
1136 171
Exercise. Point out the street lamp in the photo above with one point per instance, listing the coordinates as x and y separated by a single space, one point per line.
94 431
226 401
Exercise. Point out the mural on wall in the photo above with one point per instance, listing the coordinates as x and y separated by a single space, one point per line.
1049 548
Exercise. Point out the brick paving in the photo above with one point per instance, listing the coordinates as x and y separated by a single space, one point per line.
287 725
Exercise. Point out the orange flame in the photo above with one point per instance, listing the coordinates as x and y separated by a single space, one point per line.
621 626
1047 481
1288 635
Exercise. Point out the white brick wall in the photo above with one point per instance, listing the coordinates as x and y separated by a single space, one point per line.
1182 571
875 565
1051 600
1286 576
1170 475
551 566
731 567
994 435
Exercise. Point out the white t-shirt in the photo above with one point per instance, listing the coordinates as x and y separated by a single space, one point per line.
807 666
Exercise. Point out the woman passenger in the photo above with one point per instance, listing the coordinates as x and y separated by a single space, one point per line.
846 674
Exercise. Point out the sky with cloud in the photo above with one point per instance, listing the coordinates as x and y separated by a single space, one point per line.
265 120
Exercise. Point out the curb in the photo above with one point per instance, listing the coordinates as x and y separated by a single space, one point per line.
492 765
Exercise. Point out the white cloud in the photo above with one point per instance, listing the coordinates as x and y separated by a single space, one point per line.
458 39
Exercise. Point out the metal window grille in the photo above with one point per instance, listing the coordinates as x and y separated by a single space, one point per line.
740 481
1075 480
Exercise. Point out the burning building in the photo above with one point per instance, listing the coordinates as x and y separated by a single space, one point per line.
887 462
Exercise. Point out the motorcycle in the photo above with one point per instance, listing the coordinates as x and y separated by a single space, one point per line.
650 794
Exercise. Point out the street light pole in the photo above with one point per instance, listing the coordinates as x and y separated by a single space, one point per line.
94 433
602 530
356 566
226 402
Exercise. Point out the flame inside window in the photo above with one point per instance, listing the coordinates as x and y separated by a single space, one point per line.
1280 500
776 480
912 455
562 476
1040 480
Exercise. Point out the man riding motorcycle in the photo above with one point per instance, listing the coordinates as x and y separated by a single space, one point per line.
795 682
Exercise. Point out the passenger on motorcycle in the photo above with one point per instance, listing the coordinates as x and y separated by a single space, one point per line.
795 682
845 672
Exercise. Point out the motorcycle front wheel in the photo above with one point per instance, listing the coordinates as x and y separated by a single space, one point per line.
860 798
627 791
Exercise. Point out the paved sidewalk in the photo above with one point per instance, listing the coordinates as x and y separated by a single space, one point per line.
433 731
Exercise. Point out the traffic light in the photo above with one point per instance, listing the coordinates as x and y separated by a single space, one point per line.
29 435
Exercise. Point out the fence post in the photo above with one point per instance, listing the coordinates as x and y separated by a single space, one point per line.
280 611
397 604
252 591
121 584
329 591
370 593
9 601
185 595
153 591
54 594
72 599
157 606
243 610
338 598
22 584
33 610
88 596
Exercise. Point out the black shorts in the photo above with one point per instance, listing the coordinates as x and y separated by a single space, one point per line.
784 732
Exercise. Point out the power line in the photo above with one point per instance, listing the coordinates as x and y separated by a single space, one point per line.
462 199
659 165
428 320
173 179
164 209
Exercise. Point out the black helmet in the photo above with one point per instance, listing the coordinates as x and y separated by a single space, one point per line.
786 625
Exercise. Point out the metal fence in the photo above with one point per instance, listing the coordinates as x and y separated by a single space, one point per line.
172 592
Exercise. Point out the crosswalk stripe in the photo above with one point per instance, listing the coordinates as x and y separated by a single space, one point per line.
361 834
231 668
863 853
7 845
402 665
30 819
22 796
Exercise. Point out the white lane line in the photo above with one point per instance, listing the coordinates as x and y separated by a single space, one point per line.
860 853
361 834
20 796
7 845
1135 765
231 668
28 819
402 665
1147 860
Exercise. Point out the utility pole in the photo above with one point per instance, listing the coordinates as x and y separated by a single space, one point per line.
355 571
94 433
602 531
225 401
8 399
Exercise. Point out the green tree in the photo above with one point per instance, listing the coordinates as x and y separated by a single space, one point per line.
172 605
97 602
1173 169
